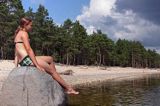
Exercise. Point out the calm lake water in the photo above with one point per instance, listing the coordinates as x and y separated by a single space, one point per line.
139 92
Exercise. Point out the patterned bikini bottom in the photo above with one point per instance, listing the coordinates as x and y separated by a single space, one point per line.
26 61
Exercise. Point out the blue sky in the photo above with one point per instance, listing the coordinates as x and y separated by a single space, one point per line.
59 10
126 19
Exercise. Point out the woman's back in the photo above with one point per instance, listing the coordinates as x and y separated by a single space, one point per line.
19 46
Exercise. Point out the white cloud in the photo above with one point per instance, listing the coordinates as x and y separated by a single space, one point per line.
90 29
131 26
156 48
102 14
97 10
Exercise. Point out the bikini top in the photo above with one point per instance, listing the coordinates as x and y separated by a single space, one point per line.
18 42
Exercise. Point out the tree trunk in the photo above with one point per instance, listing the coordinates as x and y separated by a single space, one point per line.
74 59
2 54
67 59
100 56
100 59
103 59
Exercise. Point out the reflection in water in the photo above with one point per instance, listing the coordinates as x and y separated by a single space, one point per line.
141 92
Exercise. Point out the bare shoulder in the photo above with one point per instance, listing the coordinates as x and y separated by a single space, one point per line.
24 35
20 35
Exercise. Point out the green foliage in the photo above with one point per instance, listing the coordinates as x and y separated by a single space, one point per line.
70 43
10 13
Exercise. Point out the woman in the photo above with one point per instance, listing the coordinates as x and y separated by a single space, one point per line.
24 55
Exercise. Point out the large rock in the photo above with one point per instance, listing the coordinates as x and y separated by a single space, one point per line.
27 86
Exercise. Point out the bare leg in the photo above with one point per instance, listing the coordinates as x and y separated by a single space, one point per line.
47 63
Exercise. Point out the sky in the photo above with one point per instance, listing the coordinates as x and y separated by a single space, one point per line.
126 19
59 10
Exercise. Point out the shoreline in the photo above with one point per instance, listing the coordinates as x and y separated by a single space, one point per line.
87 75
104 78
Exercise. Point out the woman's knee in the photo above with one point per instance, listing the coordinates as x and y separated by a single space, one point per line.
43 63
51 58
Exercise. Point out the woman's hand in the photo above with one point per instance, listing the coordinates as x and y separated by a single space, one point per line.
40 68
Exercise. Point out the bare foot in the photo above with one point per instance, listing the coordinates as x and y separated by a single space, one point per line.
70 91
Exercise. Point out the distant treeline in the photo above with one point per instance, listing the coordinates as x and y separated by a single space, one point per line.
69 43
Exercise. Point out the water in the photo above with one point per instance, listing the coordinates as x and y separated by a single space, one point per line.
139 92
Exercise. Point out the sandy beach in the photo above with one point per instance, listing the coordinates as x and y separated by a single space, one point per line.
86 74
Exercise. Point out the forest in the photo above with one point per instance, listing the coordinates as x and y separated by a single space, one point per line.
69 43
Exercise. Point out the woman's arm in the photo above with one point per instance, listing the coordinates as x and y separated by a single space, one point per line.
28 48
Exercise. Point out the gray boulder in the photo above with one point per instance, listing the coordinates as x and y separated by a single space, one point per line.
27 86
